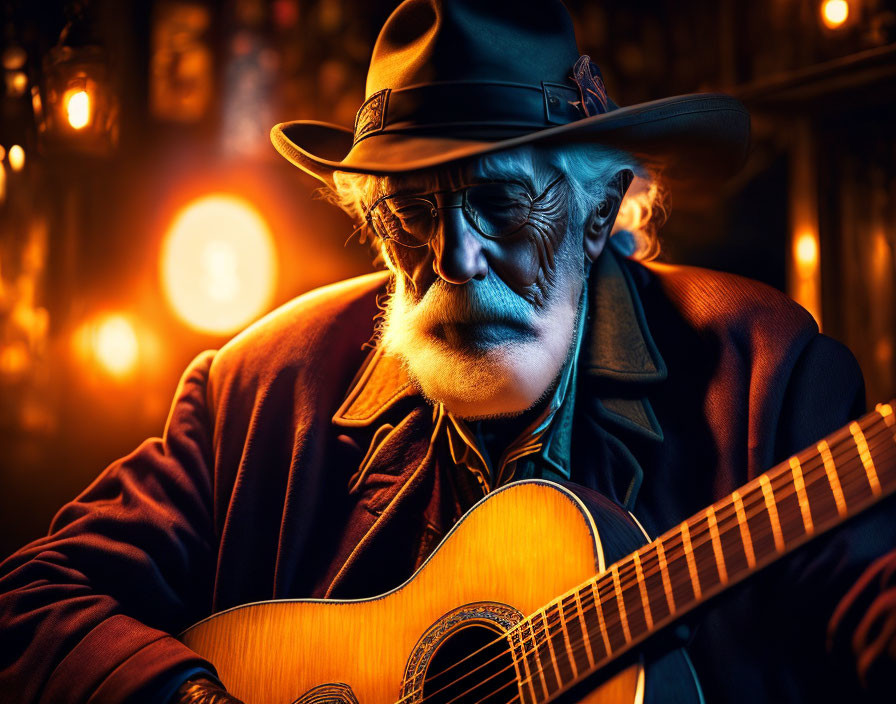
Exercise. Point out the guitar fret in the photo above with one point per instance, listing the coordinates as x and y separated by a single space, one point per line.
744 529
559 636
524 676
772 509
796 470
642 587
573 636
539 668
833 478
689 556
585 636
664 572
865 454
880 443
886 412
617 588
717 544
600 617
566 641
547 632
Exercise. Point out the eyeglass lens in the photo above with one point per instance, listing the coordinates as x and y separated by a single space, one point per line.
496 210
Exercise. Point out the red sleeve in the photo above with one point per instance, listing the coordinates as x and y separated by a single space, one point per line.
86 613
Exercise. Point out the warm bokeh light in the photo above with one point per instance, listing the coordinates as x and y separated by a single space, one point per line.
14 359
16 157
806 278
218 264
115 345
806 251
110 341
77 107
18 83
881 256
834 13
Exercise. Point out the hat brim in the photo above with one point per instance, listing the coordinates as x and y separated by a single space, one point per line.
691 137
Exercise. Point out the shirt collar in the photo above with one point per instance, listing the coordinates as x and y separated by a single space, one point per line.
617 348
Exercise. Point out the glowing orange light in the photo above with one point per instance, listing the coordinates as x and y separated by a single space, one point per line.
881 256
13 359
834 13
18 83
806 251
806 284
883 350
77 107
113 344
16 157
218 264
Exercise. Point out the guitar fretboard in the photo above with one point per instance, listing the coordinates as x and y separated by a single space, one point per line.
778 511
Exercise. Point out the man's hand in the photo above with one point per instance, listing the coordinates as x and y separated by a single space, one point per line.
203 691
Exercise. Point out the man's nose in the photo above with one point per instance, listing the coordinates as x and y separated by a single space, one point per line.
457 249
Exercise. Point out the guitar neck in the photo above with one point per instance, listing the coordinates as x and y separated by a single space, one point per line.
809 494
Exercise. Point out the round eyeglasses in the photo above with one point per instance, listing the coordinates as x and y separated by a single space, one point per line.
496 209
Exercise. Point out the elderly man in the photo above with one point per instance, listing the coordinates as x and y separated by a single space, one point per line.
327 450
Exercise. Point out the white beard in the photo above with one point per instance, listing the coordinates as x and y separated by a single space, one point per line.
503 378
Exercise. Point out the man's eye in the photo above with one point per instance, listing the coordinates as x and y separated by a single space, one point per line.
412 211
498 195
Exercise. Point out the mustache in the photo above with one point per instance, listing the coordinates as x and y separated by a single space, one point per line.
489 300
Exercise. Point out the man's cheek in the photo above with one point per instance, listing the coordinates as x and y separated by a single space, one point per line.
520 263
414 264
530 259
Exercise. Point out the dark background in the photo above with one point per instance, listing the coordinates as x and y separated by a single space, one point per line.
185 93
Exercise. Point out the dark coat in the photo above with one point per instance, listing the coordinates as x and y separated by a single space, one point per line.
690 383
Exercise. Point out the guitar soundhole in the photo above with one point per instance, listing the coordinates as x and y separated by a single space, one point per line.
472 664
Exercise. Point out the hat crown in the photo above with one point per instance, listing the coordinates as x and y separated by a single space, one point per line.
433 41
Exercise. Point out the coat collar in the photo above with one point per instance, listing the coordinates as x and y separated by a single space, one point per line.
622 358
617 349
620 347
380 384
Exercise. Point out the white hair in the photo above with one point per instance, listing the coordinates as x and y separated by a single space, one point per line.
587 168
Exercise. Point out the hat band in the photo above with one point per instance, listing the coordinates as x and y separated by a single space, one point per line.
466 104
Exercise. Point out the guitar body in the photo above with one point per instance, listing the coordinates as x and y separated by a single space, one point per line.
517 550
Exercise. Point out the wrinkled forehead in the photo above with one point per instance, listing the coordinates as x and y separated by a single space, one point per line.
511 165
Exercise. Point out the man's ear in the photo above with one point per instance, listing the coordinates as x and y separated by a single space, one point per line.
599 222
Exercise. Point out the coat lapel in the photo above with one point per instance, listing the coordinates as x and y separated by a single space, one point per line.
621 366
395 493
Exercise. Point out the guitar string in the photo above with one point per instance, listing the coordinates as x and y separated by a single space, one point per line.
697 540
579 647
552 664
617 623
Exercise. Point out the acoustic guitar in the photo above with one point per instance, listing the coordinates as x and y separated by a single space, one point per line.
498 614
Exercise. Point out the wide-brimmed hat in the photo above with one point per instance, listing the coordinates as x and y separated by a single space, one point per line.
453 79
